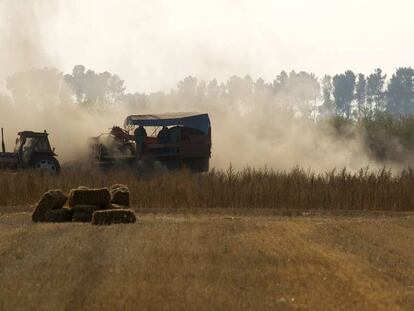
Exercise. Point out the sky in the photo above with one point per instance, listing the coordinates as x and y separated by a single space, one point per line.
154 44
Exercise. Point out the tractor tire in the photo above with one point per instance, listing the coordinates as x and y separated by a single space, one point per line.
47 164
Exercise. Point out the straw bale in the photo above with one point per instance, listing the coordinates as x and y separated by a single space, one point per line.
118 186
52 199
81 216
58 215
113 216
99 197
85 208
120 196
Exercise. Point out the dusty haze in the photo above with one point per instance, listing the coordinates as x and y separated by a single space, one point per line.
162 42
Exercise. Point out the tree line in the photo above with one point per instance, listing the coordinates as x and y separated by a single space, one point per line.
381 109
346 95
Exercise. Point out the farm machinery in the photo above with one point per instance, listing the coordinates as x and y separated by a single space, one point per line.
175 140
32 151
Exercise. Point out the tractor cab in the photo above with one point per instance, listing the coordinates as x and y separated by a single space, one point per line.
33 145
32 150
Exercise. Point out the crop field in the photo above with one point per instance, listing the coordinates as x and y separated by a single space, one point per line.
248 188
226 240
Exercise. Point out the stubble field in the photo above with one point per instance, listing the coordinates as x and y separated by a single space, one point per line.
214 261
320 242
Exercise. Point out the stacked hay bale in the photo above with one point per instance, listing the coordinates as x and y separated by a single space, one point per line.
101 206
50 208
118 213
84 202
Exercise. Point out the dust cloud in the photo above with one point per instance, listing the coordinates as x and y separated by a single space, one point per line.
248 133
254 134
40 102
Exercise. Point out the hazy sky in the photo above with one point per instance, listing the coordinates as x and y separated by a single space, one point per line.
153 44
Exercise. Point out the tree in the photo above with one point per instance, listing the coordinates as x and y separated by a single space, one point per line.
188 86
76 82
280 82
328 106
344 86
136 101
37 87
213 90
296 93
375 95
400 92
240 89
360 94
91 88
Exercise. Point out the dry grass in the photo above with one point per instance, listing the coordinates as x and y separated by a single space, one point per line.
209 263
295 189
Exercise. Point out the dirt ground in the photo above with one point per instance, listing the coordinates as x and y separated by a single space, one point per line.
209 262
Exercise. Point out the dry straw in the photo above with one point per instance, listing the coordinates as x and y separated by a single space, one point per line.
248 188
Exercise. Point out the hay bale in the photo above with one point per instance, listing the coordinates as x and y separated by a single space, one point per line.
113 216
83 212
118 186
58 215
80 216
119 194
52 199
98 197
84 208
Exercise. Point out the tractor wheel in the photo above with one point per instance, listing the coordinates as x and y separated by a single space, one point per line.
47 164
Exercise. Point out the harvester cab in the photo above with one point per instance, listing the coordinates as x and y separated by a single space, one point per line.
32 150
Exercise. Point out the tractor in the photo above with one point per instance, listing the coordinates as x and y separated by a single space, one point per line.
175 140
32 151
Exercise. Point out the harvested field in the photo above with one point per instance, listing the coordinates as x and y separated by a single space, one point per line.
209 262
250 188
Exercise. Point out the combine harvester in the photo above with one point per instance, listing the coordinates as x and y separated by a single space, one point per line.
176 140
32 151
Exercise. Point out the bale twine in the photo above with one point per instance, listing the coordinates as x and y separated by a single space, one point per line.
98 197
113 216
58 215
51 200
